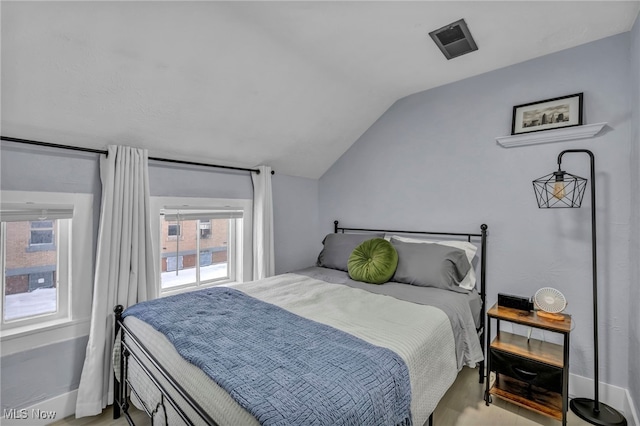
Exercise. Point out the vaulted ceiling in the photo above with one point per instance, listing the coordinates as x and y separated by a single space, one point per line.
287 84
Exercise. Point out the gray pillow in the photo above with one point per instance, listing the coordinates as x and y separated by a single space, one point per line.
431 265
338 247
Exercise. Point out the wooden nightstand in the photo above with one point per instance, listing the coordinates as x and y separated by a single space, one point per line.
529 372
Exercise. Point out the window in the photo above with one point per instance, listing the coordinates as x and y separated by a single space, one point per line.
41 232
173 231
34 283
214 244
44 249
192 261
205 229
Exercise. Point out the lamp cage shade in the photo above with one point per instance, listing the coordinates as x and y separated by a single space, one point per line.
559 189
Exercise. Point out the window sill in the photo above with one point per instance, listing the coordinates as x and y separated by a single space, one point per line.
548 136
21 339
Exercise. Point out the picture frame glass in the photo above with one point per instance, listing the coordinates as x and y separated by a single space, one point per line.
547 115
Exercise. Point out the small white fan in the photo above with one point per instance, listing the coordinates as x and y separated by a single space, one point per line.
550 302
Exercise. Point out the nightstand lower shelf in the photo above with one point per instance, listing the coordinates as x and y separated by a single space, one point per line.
532 397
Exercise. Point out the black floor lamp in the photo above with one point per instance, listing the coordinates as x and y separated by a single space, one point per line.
562 189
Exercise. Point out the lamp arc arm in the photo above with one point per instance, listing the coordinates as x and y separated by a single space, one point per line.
586 151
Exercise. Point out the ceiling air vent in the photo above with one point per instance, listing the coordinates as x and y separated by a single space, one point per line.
454 39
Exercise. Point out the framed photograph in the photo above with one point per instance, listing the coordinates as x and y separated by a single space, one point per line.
548 114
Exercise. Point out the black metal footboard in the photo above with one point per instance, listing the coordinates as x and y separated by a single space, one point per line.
123 389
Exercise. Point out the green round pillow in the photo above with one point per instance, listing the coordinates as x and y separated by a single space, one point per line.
374 261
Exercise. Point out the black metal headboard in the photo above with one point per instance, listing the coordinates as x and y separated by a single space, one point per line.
470 237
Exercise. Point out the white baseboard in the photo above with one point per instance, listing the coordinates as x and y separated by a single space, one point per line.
613 396
42 413
65 405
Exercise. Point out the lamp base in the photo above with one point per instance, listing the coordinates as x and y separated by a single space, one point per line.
583 407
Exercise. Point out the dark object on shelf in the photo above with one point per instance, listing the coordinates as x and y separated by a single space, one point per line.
566 190
515 302
527 370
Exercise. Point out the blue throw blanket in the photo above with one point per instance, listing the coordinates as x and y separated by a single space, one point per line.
282 368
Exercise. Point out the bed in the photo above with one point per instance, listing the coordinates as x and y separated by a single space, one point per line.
314 346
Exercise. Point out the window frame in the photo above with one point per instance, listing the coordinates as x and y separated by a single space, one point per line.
77 297
242 236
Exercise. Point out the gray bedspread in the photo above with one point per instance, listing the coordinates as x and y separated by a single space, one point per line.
457 306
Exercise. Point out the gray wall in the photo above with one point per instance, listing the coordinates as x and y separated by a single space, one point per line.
431 162
634 312
27 378
295 222
42 373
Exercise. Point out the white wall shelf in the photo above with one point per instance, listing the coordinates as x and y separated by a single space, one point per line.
548 136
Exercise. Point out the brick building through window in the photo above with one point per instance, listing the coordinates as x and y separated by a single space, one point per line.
30 256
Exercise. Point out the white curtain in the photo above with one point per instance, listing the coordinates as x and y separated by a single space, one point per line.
125 271
263 255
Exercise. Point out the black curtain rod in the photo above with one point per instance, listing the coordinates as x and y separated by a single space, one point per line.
99 151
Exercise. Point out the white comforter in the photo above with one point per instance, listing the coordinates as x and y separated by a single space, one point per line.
421 335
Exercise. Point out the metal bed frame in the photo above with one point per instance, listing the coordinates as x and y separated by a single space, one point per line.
128 340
